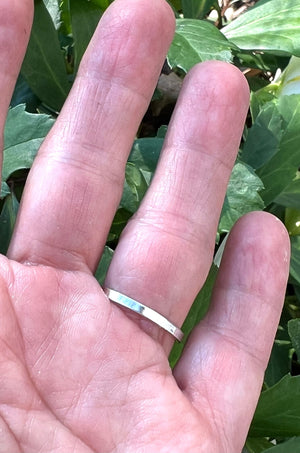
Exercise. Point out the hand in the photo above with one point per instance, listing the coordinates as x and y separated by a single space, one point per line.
77 373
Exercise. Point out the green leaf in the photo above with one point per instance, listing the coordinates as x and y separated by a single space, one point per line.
275 154
241 197
176 6
197 41
120 221
23 134
295 258
85 16
196 313
44 67
294 333
5 190
135 187
270 26
65 27
257 445
277 413
263 137
279 172
290 197
290 446
103 4
145 153
103 265
279 363
197 9
7 221
24 95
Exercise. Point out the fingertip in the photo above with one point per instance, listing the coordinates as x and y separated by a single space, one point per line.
259 246
226 80
131 31
266 231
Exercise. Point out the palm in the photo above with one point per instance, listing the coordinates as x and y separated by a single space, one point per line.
80 360
77 372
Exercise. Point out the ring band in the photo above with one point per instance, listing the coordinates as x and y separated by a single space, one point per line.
147 312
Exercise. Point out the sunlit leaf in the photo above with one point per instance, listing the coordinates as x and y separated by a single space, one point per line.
270 26
196 41
242 196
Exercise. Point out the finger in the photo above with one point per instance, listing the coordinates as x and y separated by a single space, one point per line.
223 364
166 250
77 178
15 23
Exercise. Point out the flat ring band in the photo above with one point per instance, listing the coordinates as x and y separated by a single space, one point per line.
147 312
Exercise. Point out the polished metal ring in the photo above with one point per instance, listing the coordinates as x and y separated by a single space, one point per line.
142 310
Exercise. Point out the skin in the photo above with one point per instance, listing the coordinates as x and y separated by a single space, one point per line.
77 373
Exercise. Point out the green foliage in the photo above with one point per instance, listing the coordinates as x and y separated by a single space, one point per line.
242 196
290 446
277 413
85 17
265 175
271 26
197 9
23 135
197 41
43 66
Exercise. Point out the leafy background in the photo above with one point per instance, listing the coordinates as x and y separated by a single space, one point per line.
261 42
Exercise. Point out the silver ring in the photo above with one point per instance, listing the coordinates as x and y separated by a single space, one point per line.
147 312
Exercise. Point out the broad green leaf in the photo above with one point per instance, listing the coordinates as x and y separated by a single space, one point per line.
196 313
145 153
277 413
103 265
23 134
263 137
196 41
7 221
257 445
120 221
279 363
290 197
135 187
270 26
289 446
294 333
280 171
44 67
24 95
85 16
275 155
295 258
197 9
242 196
